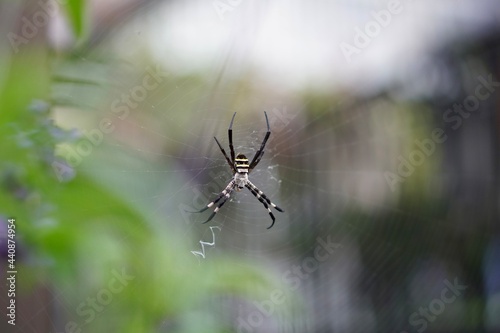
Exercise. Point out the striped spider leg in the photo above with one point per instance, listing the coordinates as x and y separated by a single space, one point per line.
224 195
264 200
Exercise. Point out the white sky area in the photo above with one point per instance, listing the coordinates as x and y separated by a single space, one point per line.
297 44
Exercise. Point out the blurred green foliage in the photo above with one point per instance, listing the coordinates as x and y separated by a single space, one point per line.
77 233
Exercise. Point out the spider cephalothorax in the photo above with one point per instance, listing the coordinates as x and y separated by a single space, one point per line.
241 168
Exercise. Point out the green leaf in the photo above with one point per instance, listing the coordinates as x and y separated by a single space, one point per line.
76 16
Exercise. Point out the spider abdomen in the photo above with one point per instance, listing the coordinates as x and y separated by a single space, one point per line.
241 164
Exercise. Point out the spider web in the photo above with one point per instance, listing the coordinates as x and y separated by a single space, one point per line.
326 157
198 172
242 214
297 171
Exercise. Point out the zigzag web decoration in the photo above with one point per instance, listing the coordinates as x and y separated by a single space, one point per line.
202 253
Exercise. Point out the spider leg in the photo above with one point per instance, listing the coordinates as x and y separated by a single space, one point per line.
265 205
229 188
220 196
230 135
264 200
258 155
231 164
261 194
225 195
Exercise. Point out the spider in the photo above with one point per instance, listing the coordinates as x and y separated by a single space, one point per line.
240 167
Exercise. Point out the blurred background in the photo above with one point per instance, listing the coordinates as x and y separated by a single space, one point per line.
383 155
